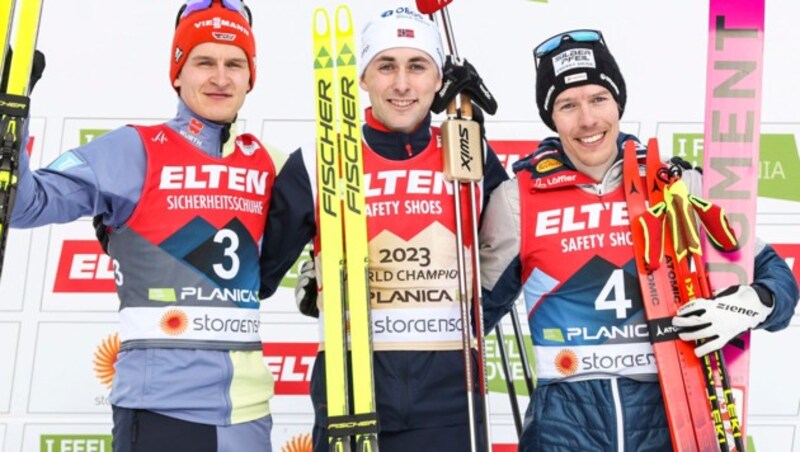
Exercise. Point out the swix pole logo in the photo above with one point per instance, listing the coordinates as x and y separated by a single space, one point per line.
291 365
583 218
464 147
84 268
413 182
212 177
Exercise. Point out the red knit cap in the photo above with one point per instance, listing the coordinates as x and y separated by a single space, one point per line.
213 24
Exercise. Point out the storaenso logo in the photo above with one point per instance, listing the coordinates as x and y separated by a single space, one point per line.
464 140
352 148
206 323
387 324
596 362
104 358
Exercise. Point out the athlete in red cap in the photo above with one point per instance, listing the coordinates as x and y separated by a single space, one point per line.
187 201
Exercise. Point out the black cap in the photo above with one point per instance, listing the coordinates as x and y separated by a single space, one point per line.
573 64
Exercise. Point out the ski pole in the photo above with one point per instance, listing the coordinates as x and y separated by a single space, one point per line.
512 391
523 351
463 156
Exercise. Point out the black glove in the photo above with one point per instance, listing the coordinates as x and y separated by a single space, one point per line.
305 291
36 70
101 231
458 76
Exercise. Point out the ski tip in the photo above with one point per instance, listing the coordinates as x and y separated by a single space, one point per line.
344 21
321 23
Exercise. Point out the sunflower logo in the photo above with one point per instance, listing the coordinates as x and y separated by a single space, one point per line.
174 322
566 362
299 443
104 358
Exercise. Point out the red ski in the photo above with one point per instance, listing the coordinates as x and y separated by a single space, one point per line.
680 371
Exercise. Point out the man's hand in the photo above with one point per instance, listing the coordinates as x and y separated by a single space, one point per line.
458 76
722 318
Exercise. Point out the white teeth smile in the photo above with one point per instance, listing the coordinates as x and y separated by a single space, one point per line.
592 139
402 103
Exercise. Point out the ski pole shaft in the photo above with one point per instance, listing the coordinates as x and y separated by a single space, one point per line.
523 351
466 337
512 391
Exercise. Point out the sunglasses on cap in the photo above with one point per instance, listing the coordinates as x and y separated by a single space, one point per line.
192 6
555 42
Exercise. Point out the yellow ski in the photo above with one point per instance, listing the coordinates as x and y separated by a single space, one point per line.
14 102
343 230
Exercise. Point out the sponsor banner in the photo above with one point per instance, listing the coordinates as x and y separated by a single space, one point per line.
420 327
9 337
83 267
494 365
71 366
78 276
575 360
75 443
774 394
291 364
791 253
83 435
779 166
190 323
292 434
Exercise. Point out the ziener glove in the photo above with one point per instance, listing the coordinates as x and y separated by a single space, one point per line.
305 291
722 318
459 76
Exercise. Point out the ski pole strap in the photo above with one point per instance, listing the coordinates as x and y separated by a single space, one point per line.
351 425
661 330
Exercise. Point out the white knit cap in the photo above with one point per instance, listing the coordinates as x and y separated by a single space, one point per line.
402 26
